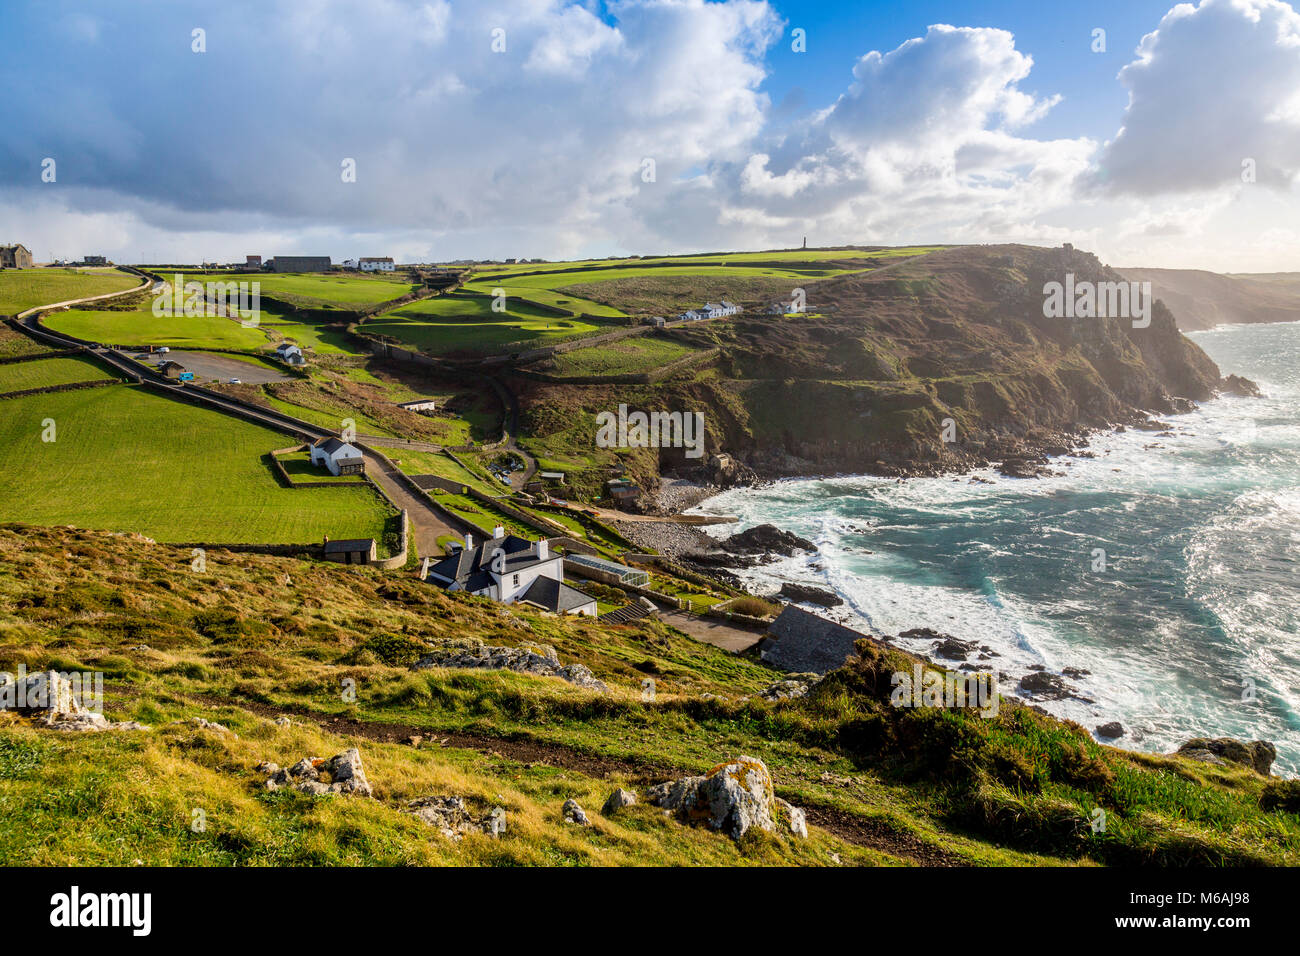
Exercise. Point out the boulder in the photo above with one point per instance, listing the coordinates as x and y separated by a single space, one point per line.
766 539
619 799
732 798
541 660
57 702
452 818
573 813
797 685
794 818
1111 731
810 595
342 773
1221 751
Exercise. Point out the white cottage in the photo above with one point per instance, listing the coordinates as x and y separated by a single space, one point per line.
376 264
511 570
338 456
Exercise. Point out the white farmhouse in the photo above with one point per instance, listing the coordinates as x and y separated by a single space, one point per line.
375 264
349 263
511 570
338 456
290 354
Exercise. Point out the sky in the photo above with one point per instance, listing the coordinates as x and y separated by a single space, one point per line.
434 130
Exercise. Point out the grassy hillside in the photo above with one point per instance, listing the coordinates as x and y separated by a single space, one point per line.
315 290
22 289
242 645
53 371
128 460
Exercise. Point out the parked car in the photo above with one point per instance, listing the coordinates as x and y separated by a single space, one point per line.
234 381
163 350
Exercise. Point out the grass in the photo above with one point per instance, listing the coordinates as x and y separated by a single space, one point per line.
14 343
316 290
263 636
52 371
641 353
142 328
22 289
205 473
466 324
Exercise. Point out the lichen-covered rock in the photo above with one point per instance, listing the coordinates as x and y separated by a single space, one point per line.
731 798
203 724
619 799
541 660
58 702
573 813
1256 754
792 687
342 773
793 817
453 819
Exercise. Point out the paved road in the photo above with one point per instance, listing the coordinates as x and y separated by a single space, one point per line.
712 631
218 366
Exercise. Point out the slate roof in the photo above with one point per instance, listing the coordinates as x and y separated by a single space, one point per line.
471 566
555 596
331 445
800 641
349 544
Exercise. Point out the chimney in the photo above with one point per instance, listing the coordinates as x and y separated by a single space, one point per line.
543 549
498 532
469 541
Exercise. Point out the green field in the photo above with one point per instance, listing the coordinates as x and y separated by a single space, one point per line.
141 328
51 371
22 289
628 356
127 460
467 324
13 342
314 290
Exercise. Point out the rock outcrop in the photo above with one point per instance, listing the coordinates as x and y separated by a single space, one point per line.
617 800
732 798
803 593
58 702
766 539
341 774
452 818
1221 751
541 660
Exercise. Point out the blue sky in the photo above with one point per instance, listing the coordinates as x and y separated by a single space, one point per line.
901 123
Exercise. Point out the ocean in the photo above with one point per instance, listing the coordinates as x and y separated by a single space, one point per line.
1189 623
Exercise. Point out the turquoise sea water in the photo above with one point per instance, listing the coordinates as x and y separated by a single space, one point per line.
1193 628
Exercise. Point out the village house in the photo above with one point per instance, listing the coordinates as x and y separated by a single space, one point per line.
94 260
425 406
511 570
350 550
658 321
349 263
375 264
290 354
340 457
16 256
252 262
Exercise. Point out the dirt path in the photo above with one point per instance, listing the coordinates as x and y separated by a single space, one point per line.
846 826
425 521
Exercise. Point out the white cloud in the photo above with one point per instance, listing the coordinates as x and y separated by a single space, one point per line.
1212 86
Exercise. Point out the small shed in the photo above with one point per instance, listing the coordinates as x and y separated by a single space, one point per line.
350 550
171 369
